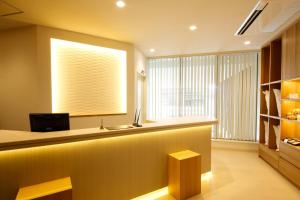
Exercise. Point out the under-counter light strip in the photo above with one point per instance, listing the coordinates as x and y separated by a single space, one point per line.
154 195
165 191
88 79
207 176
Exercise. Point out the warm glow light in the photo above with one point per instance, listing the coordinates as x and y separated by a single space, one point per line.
120 4
54 77
73 148
165 191
88 79
193 27
207 176
247 42
152 50
154 195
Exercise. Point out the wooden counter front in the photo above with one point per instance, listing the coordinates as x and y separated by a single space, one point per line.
113 165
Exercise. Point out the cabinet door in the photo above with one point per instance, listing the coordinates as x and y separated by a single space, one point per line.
291 53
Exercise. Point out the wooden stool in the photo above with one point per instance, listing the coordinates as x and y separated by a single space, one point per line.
60 189
184 174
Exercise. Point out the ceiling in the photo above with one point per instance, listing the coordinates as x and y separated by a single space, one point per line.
8 23
162 24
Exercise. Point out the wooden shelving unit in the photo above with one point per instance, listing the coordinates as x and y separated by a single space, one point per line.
274 73
270 79
290 128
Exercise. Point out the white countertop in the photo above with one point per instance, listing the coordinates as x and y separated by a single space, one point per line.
10 139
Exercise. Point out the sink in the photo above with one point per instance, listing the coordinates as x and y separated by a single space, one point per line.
120 127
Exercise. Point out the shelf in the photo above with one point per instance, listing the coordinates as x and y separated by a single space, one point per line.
293 80
290 146
271 83
270 116
275 82
290 120
290 99
264 115
290 87
290 128
275 117
265 84
288 107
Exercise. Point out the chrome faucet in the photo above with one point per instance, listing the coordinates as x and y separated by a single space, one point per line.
101 126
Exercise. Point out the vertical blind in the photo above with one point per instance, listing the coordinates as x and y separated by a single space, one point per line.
198 86
163 88
181 87
222 86
237 96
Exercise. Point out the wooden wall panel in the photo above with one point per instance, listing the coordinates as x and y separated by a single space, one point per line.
297 51
291 52
113 168
265 65
275 60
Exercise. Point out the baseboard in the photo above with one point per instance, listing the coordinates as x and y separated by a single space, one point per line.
234 145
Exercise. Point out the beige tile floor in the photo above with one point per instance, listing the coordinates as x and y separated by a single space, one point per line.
242 175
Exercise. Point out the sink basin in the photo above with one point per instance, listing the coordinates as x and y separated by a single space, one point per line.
120 127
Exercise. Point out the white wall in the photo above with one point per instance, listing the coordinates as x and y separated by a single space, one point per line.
25 76
19 76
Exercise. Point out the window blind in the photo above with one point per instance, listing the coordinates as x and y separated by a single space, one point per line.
237 96
163 87
181 87
221 86
87 79
198 86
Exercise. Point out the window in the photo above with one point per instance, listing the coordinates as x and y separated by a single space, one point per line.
163 88
181 87
237 96
222 86
87 79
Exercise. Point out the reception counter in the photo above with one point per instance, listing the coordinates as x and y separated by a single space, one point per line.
102 164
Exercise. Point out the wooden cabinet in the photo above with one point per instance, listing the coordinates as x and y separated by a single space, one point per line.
290 171
184 174
280 69
291 52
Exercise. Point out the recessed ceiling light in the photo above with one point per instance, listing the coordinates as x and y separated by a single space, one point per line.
152 50
193 27
247 42
120 4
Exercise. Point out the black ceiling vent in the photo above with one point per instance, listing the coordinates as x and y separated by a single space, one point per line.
260 6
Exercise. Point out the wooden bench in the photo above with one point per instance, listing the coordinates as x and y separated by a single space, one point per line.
60 189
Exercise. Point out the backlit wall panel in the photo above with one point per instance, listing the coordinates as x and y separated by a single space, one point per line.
88 79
